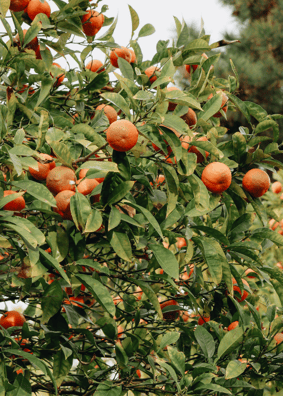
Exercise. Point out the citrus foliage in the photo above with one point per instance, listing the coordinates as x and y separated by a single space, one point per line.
138 276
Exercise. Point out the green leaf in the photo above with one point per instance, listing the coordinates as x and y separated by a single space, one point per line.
42 129
54 263
90 135
118 101
107 388
80 210
46 85
234 369
32 32
148 216
266 124
239 145
21 149
94 221
214 256
177 359
37 363
211 107
171 371
107 35
99 291
103 166
4 7
62 152
120 191
121 356
214 387
114 218
197 45
98 82
230 342
134 18
184 36
256 111
37 190
61 366
169 338
51 301
121 245
26 236
205 341
22 386
241 106
146 30
126 69
148 291
268 234
166 259
214 233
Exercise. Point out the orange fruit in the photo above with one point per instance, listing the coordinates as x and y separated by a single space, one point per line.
110 113
95 65
122 52
188 67
172 315
190 118
243 295
276 187
249 273
60 77
92 22
194 149
63 204
203 319
83 173
43 169
36 7
18 5
172 106
279 265
60 179
185 316
17 204
278 338
85 186
233 325
223 107
133 56
138 373
181 242
74 301
256 182
216 177
160 180
122 135
150 72
12 318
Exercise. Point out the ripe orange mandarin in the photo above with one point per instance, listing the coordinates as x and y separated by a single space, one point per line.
63 204
95 65
190 117
16 205
60 179
203 319
122 135
33 44
250 273
188 67
133 56
216 177
278 338
194 149
122 52
18 5
36 7
243 295
85 186
110 113
12 318
92 22
43 169
233 325
256 182
171 315
276 187
150 72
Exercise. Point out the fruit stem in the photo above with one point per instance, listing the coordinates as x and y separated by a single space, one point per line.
84 159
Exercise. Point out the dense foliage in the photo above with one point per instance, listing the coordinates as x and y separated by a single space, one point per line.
133 291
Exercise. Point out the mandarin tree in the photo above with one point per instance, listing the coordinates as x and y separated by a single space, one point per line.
135 234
